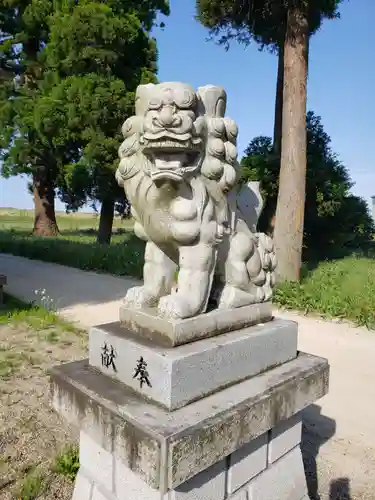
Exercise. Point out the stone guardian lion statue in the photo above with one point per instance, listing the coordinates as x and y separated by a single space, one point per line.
178 166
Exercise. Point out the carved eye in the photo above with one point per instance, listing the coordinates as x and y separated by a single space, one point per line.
185 99
155 103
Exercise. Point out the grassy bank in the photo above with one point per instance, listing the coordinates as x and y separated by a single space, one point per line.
343 288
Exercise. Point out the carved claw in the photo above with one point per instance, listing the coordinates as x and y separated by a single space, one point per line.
174 306
138 297
233 297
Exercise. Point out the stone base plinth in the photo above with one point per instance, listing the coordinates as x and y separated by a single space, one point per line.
148 325
176 376
241 442
250 473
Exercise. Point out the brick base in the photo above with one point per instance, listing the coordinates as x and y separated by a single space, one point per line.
268 468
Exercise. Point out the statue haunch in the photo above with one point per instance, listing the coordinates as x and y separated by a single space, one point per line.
178 166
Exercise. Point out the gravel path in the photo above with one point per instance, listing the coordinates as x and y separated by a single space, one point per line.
339 430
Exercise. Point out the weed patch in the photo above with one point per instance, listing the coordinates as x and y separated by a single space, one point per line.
32 486
67 462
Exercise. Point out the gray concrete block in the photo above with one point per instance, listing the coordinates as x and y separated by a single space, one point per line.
83 486
284 437
239 495
168 448
130 486
101 494
180 375
284 480
207 485
147 324
96 460
247 462
144 459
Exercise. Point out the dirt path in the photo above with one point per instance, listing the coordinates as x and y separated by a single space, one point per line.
341 428
31 433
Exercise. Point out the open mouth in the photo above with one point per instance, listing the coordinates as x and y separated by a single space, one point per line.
172 159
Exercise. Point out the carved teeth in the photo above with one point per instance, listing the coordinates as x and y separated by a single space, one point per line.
186 145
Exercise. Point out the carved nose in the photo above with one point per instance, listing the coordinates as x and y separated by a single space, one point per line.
166 116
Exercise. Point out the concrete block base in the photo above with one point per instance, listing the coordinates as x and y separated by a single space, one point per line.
248 427
243 475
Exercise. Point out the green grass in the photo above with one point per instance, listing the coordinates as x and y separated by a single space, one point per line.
122 257
76 245
33 485
16 312
12 218
10 362
67 462
47 326
342 288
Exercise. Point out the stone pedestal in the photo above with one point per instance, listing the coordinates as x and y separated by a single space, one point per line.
161 416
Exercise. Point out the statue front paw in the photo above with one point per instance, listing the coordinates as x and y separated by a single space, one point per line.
138 297
174 306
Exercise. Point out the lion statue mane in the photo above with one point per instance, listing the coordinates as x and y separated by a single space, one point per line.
178 166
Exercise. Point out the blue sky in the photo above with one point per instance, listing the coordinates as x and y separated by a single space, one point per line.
341 85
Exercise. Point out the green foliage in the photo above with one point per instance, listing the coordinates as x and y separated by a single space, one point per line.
122 257
24 34
32 486
79 63
335 221
67 462
263 21
340 289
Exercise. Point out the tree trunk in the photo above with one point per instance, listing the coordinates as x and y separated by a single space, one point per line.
106 222
277 130
44 201
292 182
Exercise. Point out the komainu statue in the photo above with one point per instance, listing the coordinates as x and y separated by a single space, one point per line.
178 166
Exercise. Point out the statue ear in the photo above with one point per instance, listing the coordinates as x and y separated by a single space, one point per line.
212 101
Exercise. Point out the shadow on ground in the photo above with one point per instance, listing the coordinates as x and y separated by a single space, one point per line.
318 429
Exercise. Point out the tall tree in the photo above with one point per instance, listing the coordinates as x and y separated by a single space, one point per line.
335 221
283 26
101 52
23 36
74 67
292 183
